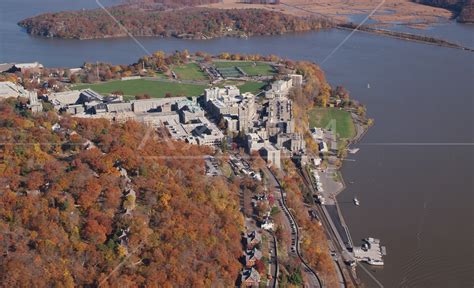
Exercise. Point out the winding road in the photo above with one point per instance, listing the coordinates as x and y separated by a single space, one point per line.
311 276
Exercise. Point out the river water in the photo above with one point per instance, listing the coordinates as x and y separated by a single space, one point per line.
414 172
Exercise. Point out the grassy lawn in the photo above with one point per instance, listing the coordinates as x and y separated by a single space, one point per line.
156 89
246 86
333 117
252 87
249 67
190 71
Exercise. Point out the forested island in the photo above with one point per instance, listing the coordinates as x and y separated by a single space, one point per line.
210 19
195 23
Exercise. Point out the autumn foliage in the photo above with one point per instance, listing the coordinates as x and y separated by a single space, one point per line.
68 216
183 23
314 242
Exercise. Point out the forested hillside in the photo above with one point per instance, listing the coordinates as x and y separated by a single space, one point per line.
92 203
172 3
463 9
184 23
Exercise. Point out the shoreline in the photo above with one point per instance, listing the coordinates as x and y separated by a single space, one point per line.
333 211
404 36
356 139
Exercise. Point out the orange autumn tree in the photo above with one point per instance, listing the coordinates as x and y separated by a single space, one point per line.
183 230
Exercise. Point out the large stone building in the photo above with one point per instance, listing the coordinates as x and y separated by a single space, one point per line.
281 88
237 110
293 142
272 155
279 116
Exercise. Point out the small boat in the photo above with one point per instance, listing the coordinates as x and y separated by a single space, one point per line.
354 150
375 262
368 86
356 201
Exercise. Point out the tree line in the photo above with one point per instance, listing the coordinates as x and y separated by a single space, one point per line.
199 23
69 217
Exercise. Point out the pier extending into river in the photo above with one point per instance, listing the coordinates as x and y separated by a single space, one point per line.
371 252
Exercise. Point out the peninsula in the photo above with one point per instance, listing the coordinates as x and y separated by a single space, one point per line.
179 162
210 19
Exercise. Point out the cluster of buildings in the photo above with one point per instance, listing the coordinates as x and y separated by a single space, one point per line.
184 119
238 110
273 133
12 90
265 124
326 139
250 277
20 67
268 125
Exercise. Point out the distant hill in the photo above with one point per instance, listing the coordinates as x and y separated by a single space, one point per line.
463 9
147 19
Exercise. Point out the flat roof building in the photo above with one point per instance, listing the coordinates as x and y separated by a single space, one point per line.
9 89
271 155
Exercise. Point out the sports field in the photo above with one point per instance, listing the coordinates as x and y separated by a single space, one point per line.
153 88
249 67
190 71
333 118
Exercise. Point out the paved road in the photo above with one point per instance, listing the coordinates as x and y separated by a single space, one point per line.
272 243
333 235
250 225
310 275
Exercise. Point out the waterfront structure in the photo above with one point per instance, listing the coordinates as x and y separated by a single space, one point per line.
370 252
